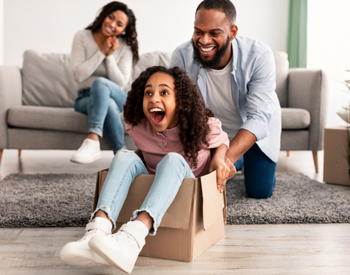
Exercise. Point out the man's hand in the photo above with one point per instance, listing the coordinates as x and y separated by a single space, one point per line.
222 172
232 168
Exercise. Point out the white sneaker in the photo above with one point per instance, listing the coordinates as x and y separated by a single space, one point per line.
120 249
79 252
88 152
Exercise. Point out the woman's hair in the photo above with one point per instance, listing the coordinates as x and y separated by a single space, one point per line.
191 112
130 35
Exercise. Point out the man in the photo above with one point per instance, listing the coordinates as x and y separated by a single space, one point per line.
236 77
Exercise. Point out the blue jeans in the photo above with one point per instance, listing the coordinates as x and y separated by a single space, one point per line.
259 173
103 103
125 167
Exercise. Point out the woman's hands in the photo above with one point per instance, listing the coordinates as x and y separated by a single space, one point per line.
110 45
222 167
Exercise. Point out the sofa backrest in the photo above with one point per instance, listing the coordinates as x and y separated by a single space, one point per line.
48 81
282 71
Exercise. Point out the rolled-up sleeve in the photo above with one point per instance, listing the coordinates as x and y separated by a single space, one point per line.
216 136
261 96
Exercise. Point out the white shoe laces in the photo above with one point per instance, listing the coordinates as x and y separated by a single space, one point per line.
124 237
89 234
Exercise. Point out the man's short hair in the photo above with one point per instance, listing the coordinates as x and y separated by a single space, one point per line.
224 6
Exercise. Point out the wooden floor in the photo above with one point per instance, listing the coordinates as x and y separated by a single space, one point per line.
246 249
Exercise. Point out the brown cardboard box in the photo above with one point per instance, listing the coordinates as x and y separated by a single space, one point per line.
194 221
335 164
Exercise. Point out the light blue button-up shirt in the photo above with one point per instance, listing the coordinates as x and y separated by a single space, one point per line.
253 86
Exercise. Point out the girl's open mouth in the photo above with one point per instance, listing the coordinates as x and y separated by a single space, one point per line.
157 115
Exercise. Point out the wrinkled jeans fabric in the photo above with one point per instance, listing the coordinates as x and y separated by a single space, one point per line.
125 167
259 173
103 103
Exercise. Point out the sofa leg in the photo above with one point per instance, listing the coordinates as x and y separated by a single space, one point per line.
19 153
314 155
288 153
1 151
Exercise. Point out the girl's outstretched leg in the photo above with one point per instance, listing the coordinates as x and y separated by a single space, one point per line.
126 165
122 248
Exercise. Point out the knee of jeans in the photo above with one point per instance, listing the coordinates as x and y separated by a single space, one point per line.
97 83
125 153
259 193
172 157
112 106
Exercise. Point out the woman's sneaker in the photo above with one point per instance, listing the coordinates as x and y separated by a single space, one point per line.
79 252
88 152
120 249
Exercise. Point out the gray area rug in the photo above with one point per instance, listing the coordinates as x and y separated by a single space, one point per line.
50 200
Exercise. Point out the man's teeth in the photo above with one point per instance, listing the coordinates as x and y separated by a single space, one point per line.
156 110
207 49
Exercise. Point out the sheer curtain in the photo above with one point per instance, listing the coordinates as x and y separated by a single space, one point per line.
329 49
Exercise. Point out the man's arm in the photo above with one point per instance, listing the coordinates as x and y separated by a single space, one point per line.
240 144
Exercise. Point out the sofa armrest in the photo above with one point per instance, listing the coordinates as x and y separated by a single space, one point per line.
10 95
308 89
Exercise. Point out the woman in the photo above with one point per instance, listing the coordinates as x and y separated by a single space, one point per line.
101 61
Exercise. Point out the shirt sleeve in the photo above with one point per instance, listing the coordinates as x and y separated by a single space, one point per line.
121 72
176 60
261 96
128 128
216 135
81 67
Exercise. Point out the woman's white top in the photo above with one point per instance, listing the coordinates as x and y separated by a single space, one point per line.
87 62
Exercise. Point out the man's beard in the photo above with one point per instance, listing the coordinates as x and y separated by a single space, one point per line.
215 62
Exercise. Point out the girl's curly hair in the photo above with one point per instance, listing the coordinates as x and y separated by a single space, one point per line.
130 35
191 112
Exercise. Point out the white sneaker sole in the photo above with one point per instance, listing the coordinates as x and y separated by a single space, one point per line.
85 160
73 255
109 255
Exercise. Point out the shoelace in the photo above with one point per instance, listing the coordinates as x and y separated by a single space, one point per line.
124 237
89 234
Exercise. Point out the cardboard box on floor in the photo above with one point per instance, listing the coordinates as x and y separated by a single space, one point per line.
193 222
335 165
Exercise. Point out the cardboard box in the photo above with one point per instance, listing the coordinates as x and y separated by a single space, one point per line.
336 168
193 222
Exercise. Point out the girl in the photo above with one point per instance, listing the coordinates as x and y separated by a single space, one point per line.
174 132
101 61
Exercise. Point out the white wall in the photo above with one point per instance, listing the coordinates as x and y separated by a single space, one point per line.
1 32
49 25
329 49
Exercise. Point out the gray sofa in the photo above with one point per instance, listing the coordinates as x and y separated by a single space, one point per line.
36 104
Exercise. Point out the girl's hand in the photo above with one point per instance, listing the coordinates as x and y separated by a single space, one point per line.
222 172
114 42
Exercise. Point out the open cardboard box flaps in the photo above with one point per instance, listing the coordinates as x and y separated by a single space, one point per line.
193 222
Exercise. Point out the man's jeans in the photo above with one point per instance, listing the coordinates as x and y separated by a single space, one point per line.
103 103
259 173
125 167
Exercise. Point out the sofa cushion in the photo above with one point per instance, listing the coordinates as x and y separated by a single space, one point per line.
47 118
47 80
148 60
294 118
282 71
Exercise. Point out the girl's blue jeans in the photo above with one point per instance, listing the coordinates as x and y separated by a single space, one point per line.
103 103
125 167
259 173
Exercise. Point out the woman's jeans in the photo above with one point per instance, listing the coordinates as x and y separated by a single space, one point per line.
259 173
103 103
125 167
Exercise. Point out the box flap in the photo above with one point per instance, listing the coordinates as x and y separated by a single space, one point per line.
178 213
213 200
